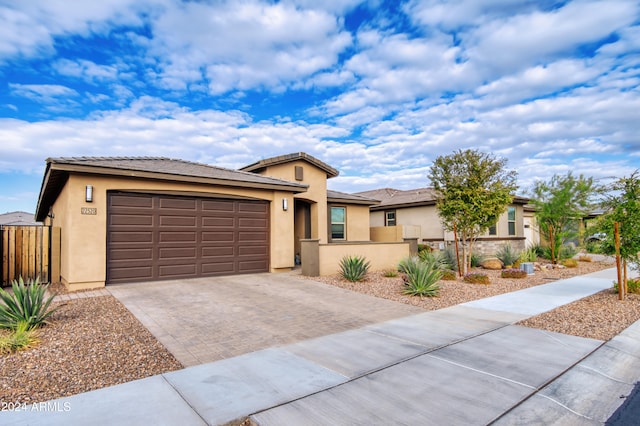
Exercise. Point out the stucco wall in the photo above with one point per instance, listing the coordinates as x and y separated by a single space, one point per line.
83 245
316 193
381 255
357 221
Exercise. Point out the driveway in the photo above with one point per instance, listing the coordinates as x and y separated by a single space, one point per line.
209 319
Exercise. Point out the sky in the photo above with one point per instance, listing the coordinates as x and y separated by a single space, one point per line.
376 89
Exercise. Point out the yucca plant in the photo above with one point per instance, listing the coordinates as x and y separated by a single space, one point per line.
23 337
354 268
26 302
529 255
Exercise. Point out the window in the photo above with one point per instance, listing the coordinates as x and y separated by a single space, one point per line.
390 218
493 229
511 219
338 223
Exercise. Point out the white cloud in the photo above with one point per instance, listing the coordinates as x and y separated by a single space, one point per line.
244 45
44 93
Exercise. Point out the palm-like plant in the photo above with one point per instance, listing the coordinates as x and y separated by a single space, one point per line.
25 303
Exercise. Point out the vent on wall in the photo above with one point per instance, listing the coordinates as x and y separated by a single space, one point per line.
299 173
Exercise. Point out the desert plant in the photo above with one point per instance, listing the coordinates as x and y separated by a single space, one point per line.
633 285
529 255
476 278
567 251
513 273
585 258
354 268
23 337
421 277
25 302
408 264
448 275
476 260
507 255
570 263
447 259
390 273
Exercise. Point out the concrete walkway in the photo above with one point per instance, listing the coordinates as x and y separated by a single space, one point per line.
464 365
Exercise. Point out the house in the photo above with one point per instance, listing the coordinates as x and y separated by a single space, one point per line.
413 213
131 219
18 218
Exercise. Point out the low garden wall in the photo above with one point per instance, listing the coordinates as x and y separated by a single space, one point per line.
324 259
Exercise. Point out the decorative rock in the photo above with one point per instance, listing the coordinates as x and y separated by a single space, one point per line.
491 263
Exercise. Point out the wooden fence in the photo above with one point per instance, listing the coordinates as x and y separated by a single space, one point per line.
26 251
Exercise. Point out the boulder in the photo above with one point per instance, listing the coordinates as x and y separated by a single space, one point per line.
491 263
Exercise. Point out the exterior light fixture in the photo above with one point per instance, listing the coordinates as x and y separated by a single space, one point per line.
285 204
88 195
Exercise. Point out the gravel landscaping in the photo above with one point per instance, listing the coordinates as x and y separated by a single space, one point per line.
95 342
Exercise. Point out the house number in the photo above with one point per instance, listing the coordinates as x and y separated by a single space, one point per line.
88 210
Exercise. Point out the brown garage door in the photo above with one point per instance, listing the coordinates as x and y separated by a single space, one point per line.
156 237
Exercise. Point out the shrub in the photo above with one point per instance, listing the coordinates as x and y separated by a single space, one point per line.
424 247
507 255
513 273
408 264
25 303
539 249
570 263
567 251
23 337
390 273
354 268
448 275
476 260
584 258
633 285
447 259
476 278
529 255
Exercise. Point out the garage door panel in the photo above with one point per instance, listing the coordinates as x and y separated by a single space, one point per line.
177 237
153 237
251 207
252 236
177 253
132 220
132 254
245 222
131 237
218 222
218 206
173 271
219 237
217 251
219 268
187 221
253 250
166 203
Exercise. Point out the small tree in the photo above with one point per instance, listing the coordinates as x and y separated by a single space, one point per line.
623 204
561 202
472 190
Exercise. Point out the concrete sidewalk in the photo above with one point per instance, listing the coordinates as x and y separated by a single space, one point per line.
466 365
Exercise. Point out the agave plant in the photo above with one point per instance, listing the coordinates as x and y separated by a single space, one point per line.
507 255
25 303
354 268
421 276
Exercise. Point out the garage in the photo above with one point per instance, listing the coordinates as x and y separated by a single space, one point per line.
157 237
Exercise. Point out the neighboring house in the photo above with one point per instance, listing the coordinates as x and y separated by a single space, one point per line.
413 213
18 219
145 219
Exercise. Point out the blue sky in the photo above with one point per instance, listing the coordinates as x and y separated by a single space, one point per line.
376 89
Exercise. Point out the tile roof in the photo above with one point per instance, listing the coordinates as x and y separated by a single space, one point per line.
18 218
281 159
336 196
160 168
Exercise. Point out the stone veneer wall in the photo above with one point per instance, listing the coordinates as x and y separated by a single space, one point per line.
488 248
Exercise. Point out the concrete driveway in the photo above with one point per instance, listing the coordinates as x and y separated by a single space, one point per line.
209 319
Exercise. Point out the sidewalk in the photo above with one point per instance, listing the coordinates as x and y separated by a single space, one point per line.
464 365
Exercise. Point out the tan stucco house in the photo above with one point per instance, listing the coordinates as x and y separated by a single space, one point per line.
413 213
131 219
